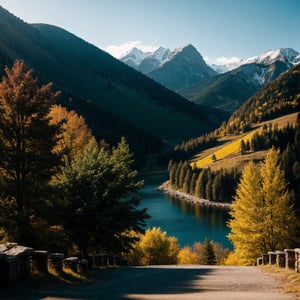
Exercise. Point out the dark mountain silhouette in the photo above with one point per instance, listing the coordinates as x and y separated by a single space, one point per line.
114 99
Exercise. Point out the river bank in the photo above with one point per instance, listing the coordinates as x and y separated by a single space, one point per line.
167 189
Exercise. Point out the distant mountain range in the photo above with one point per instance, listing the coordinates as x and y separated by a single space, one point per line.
185 71
115 100
286 55
175 69
136 58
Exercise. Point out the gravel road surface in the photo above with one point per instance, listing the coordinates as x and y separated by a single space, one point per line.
164 282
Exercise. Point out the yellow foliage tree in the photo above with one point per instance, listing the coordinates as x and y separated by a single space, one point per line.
187 256
262 217
75 136
155 248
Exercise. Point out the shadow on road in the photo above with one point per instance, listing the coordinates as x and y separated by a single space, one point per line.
119 283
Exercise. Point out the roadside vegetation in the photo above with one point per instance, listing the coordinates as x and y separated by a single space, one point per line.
155 247
289 279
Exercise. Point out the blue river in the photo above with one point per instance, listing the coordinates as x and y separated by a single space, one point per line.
189 223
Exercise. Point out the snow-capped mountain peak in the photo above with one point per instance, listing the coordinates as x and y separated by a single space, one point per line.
161 54
286 55
181 49
135 55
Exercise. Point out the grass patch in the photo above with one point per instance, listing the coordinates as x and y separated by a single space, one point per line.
229 149
289 279
54 278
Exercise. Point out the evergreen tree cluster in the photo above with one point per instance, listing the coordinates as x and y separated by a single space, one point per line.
287 139
193 146
204 183
290 160
269 136
187 149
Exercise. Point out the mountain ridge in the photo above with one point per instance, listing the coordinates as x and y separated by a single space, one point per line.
175 69
267 57
114 99
184 66
286 55
228 91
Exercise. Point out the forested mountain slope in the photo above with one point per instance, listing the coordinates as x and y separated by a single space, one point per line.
278 98
115 99
268 119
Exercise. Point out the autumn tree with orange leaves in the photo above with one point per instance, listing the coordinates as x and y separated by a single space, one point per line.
27 159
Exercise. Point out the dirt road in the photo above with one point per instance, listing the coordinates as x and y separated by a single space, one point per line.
164 282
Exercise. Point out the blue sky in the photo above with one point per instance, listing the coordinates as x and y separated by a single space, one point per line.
229 28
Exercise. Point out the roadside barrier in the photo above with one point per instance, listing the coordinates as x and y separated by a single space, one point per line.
18 262
15 263
289 259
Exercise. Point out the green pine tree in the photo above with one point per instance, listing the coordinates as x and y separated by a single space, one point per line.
98 200
201 184
187 181
208 253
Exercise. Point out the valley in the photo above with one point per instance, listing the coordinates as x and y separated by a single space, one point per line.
148 117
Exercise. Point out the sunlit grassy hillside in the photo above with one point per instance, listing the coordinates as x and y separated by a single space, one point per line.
231 149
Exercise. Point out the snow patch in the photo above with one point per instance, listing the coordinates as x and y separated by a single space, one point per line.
135 55
286 55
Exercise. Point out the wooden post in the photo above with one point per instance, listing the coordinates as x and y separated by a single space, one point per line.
297 259
14 263
265 259
8 270
124 262
111 260
272 258
259 261
55 262
289 258
83 266
280 259
71 263
98 260
39 261
22 264
104 259
118 260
